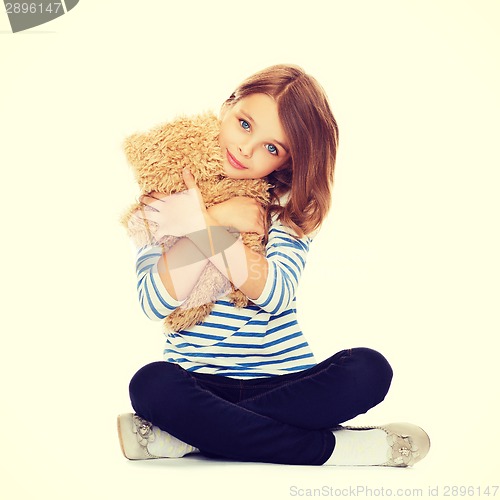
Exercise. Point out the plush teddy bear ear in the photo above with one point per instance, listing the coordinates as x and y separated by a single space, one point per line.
131 148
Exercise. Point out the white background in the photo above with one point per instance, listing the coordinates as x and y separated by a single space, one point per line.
406 262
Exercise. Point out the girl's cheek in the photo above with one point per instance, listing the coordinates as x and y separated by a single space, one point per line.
231 136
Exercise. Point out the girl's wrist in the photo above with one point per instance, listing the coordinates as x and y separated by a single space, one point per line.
213 216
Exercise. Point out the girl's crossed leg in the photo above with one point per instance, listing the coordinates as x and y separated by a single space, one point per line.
283 419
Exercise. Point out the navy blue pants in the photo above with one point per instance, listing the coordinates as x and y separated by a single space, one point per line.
283 419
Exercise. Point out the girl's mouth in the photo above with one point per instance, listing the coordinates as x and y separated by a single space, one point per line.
234 162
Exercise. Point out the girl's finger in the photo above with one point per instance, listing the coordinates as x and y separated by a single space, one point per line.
191 185
188 178
146 201
156 195
151 197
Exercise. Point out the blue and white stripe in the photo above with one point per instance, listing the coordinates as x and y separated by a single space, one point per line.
261 340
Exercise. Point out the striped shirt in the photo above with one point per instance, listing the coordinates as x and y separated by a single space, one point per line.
262 339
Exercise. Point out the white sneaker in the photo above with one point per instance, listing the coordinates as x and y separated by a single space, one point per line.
141 440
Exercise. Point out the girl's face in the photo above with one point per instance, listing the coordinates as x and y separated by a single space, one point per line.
252 139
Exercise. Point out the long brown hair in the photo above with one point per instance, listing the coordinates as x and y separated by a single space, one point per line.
309 124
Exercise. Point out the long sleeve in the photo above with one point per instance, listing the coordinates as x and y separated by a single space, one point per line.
154 299
286 256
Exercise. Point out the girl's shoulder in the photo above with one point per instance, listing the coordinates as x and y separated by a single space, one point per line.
278 225
278 229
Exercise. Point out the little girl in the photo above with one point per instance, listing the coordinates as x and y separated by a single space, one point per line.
244 384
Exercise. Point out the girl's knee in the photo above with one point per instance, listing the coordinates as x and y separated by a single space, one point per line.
150 381
376 370
159 393
374 359
145 376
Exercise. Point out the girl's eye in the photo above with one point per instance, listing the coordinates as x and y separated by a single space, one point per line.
272 149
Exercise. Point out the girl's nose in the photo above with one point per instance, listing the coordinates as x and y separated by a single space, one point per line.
246 149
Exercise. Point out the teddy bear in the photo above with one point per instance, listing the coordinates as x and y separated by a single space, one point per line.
157 158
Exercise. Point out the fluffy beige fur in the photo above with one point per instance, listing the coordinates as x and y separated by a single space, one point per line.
157 158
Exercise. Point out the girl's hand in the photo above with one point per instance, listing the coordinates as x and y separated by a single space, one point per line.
174 215
241 212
